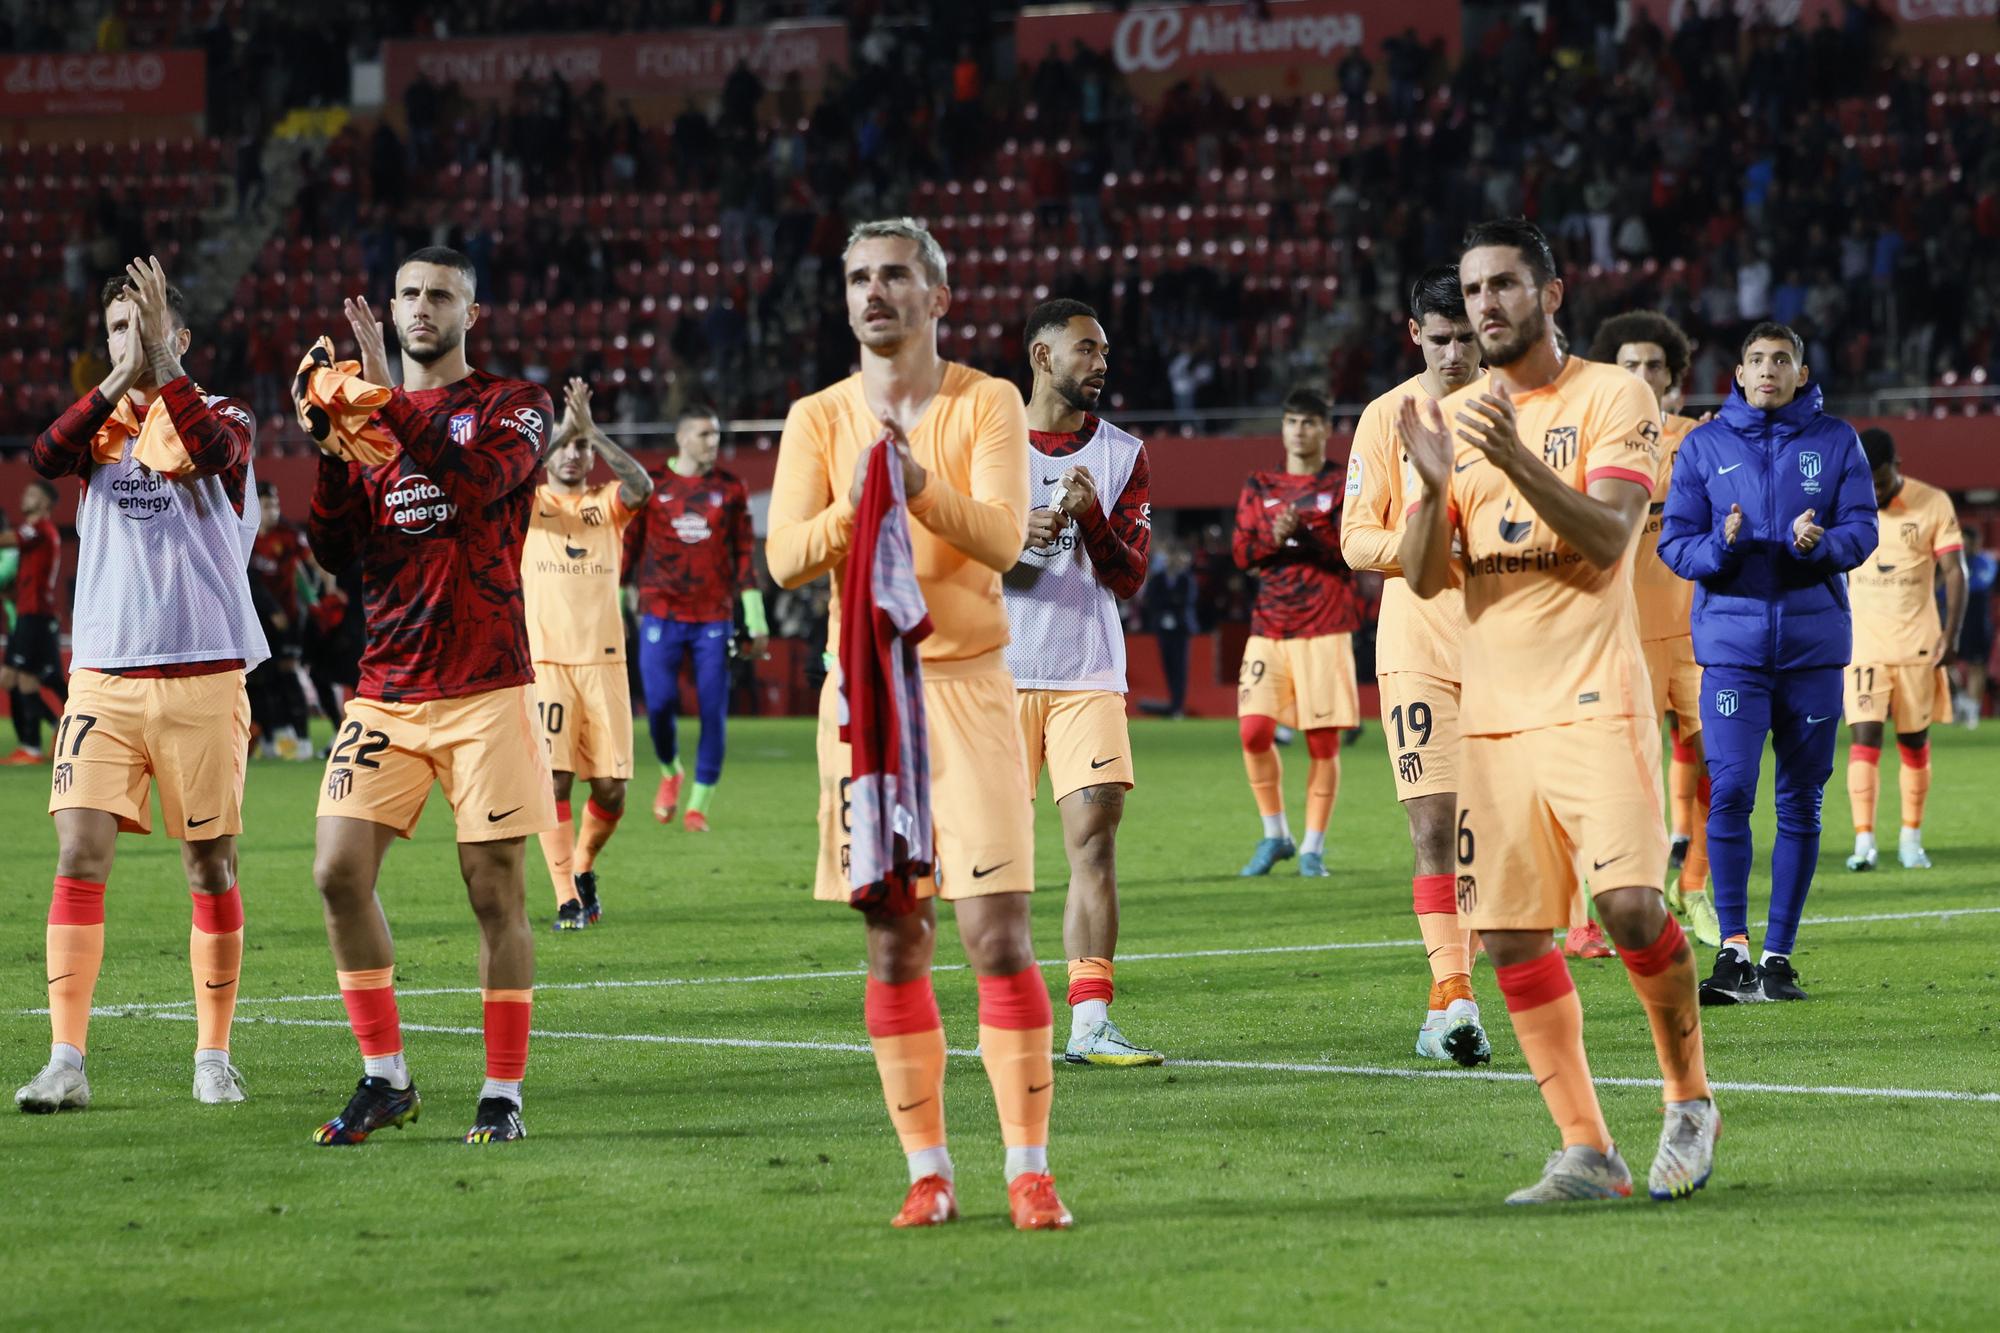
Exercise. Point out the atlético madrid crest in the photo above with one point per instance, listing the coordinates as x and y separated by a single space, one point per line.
462 426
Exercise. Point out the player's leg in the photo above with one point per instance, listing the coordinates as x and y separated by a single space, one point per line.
1866 694
1923 696
604 753
347 861
1516 877
1322 671
1735 720
559 854
85 843
1805 707
906 1034
1690 898
559 713
215 958
1452 1028
661 644
1263 693
711 685
496 886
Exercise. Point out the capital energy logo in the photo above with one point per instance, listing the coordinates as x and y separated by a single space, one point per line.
415 504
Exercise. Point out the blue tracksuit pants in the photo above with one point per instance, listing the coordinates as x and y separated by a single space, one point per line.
663 646
1800 712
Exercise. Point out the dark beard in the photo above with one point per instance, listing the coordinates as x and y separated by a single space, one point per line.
1071 391
447 342
1518 343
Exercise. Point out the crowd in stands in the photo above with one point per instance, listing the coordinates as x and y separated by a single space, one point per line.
1723 173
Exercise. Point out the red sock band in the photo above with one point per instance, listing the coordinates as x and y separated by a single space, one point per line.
1019 1002
1658 956
218 913
372 1015
1259 732
1914 756
76 902
1703 790
1537 982
1434 894
1683 752
900 1008
1089 988
1864 754
596 811
1322 742
562 811
507 1023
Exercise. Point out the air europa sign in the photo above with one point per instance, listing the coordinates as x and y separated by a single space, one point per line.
1201 39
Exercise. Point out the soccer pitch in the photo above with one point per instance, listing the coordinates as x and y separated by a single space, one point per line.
708 1145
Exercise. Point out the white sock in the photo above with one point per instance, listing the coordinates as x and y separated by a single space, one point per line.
1864 843
1768 956
1742 951
390 1067
1913 837
1276 827
1084 1013
1314 841
502 1087
63 1053
930 1162
208 1055
1023 1160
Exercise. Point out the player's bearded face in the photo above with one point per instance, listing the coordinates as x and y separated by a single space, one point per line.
1509 309
433 309
1076 371
571 463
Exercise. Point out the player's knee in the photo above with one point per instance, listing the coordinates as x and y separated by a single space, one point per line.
1633 917
90 864
609 794
1732 792
997 941
210 866
563 783
1323 742
1259 732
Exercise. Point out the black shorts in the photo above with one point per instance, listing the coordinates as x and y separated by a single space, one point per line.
35 648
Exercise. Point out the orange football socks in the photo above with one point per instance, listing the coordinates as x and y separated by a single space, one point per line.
215 956
1548 1022
1914 779
1663 975
369 995
1864 781
76 955
559 850
1445 941
1015 1028
508 1015
908 1038
1260 761
1694 870
598 826
1682 777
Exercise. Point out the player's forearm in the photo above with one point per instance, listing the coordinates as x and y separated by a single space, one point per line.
1596 530
990 531
1120 564
754 618
1424 554
338 518
60 450
1366 542
1953 569
214 442
801 550
634 482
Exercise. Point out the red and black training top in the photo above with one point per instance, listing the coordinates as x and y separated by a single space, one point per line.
439 531
1304 587
688 548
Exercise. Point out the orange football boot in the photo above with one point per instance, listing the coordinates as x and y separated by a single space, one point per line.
667 799
929 1203
21 756
1032 1197
695 822
1586 941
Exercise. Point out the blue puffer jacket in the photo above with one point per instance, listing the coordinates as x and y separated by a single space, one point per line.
1757 602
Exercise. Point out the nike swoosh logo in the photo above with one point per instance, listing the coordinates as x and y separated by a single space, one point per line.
546 514
64 977
1688 1031
1434 952
1460 467
1050 481
1599 865
218 985
1881 568
1542 1081
1812 721
1100 763
197 823
1725 471
978 873
913 1105
1043 1087
1272 504
492 818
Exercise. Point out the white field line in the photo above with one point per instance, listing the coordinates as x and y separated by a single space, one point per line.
1268 1066
760 978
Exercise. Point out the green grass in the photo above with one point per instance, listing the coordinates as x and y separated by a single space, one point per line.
714 1185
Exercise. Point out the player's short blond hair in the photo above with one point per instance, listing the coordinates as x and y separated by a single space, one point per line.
929 252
